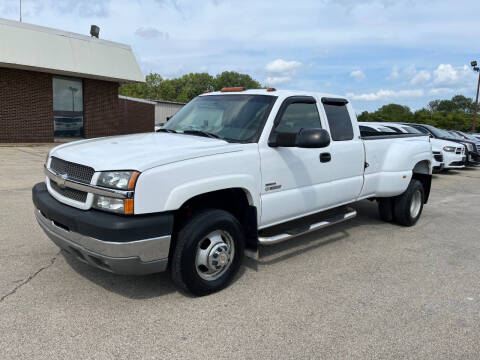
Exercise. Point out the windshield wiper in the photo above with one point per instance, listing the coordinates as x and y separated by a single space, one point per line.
166 130
203 133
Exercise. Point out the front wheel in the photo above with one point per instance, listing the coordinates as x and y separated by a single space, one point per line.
408 206
208 252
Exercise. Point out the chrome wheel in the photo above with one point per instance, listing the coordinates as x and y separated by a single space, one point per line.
415 204
214 255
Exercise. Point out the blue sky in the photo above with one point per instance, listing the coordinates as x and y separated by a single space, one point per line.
374 51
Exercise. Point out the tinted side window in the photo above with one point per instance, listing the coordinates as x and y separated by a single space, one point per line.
367 131
297 116
367 128
339 121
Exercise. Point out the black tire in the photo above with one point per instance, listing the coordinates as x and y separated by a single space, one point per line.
403 204
385 209
183 267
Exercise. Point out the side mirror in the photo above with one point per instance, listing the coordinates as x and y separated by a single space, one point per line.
306 138
312 138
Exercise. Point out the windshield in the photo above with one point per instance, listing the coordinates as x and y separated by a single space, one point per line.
441 133
237 118
469 137
411 130
438 132
454 135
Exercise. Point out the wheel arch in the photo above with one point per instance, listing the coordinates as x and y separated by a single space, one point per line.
236 200
422 171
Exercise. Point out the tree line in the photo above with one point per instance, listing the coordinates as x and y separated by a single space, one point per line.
453 114
185 88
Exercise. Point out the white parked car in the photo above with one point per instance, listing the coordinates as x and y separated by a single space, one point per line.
446 154
230 171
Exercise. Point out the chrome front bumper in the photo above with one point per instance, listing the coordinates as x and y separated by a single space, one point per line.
136 257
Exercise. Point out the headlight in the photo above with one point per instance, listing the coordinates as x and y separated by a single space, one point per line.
449 148
119 206
119 180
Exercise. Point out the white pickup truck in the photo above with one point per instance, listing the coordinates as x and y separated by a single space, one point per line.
231 170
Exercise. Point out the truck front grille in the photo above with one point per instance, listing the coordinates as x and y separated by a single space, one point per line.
73 194
74 171
458 150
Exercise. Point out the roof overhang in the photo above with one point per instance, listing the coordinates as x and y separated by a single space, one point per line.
37 48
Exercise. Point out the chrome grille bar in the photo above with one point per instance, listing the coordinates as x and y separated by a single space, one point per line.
64 181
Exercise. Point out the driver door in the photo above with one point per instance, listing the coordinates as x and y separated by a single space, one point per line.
289 174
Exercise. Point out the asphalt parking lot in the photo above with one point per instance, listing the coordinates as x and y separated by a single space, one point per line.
361 289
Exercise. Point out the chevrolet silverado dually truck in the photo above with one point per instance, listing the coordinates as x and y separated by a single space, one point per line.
232 170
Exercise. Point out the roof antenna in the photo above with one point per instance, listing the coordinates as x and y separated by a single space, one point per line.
20 10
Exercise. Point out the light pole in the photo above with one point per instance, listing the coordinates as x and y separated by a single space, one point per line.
73 90
474 120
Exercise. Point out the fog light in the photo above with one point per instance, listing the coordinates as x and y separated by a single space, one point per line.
119 206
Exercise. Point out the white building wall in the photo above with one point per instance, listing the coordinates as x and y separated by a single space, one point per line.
164 110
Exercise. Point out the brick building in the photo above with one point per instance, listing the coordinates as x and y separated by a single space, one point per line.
56 84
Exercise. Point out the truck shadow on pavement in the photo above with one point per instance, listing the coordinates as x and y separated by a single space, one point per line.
367 214
157 285
133 287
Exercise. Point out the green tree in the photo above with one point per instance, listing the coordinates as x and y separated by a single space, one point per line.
232 79
185 88
453 114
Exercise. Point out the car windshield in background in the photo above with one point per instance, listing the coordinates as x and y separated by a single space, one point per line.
442 133
236 118
411 130
469 137
454 135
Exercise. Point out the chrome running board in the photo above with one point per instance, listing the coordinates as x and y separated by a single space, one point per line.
286 235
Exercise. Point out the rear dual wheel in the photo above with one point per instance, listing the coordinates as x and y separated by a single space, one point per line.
404 209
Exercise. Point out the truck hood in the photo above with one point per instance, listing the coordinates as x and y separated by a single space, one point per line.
438 144
141 151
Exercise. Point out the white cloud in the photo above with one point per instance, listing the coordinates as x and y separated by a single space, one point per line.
151 33
420 77
358 75
282 66
277 80
281 71
387 95
445 75
442 91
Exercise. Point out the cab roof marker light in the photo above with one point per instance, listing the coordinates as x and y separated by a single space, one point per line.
233 89
271 89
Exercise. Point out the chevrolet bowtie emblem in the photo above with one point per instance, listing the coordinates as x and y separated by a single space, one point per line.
62 180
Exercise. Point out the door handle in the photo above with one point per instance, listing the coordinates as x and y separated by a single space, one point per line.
325 157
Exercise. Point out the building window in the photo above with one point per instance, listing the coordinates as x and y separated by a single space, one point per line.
67 107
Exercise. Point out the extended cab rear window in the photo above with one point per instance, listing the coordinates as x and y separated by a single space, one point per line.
338 119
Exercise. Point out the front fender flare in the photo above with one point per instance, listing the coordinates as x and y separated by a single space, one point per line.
184 192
